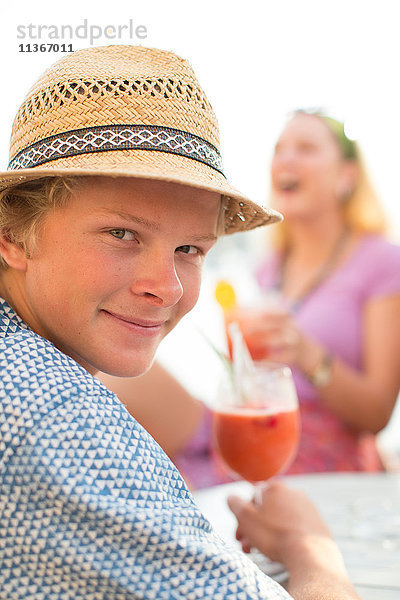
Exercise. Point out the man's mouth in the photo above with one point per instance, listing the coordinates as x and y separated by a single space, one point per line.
140 325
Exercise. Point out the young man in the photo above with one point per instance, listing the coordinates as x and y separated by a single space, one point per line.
113 197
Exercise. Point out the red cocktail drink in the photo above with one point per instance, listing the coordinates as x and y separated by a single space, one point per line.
256 443
248 321
256 424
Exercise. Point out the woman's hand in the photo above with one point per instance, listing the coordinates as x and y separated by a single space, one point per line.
362 397
275 336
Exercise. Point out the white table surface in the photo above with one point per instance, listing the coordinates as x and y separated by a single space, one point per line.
363 512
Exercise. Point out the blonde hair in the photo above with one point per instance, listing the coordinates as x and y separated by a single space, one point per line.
23 208
362 209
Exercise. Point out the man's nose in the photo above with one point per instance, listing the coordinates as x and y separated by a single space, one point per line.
157 280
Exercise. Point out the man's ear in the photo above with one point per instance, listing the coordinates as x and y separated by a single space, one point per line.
13 254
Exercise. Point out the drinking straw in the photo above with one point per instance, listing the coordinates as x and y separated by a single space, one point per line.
243 366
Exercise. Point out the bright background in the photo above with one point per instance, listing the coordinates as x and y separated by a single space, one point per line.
257 60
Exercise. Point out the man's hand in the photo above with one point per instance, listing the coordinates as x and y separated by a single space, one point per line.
287 527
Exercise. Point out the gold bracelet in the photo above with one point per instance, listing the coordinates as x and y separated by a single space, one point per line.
322 373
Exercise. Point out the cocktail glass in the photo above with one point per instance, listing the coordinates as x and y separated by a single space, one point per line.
249 319
256 429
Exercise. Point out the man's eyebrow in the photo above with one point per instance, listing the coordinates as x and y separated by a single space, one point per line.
153 226
209 237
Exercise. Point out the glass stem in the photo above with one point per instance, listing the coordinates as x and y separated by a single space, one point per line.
258 492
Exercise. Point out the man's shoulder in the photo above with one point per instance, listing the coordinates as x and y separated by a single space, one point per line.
37 383
34 372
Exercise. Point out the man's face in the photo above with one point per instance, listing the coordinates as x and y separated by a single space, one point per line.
117 268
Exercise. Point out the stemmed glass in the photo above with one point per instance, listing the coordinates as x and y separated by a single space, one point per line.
256 429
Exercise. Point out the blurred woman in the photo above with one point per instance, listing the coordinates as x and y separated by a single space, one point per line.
339 279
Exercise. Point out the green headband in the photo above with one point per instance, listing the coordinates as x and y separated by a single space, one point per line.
347 146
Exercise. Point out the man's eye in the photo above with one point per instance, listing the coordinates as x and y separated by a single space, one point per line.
187 249
122 234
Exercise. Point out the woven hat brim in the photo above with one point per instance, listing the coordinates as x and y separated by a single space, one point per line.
241 214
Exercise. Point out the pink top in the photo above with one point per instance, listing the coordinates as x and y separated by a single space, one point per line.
331 314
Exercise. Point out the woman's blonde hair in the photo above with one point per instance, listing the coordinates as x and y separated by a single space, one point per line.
23 208
362 209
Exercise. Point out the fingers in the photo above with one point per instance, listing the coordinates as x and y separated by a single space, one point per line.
243 541
251 530
263 322
245 513
282 341
285 346
237 505
272 335
284 518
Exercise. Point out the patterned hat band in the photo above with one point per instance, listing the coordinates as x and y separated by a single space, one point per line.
104 138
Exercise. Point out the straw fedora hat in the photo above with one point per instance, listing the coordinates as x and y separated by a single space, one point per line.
125 111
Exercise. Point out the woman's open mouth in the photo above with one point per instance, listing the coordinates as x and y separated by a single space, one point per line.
287 184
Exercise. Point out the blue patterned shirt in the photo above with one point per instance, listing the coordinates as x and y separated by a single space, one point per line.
90 506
